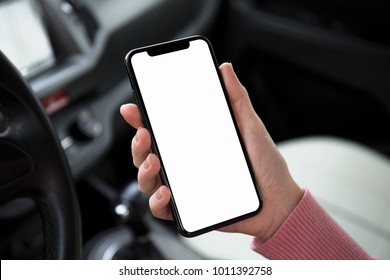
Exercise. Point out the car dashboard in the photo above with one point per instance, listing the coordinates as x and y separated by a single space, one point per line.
84 81
81 83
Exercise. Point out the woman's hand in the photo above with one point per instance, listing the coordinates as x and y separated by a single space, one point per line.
279 191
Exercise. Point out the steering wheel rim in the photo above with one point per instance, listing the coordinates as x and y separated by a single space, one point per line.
33 164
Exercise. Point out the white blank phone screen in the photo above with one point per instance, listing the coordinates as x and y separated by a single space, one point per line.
208 175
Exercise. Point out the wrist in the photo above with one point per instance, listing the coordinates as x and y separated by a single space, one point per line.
284 206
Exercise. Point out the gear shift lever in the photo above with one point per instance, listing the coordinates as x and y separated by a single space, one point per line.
130 239
131 207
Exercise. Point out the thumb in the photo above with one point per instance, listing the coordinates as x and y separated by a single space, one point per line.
244 113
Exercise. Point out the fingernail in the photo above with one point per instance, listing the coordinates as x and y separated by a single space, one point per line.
123 107
158 194
146 163
136 138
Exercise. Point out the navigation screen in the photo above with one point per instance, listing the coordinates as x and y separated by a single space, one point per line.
23 38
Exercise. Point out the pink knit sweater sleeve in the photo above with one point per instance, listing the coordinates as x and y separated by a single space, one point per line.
309 233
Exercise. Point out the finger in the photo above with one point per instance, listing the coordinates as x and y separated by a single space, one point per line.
148 175
131 115
159 203
141 146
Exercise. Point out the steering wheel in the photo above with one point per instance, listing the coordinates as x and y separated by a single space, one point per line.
33 164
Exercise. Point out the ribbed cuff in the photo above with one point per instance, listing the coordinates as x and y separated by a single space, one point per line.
309 233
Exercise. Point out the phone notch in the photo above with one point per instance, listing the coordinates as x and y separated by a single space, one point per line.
174 46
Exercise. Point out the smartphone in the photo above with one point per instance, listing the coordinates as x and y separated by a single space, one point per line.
184 105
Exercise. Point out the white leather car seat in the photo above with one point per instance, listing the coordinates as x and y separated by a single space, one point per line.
349 180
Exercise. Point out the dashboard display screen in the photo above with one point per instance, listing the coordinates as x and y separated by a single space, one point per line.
23 37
